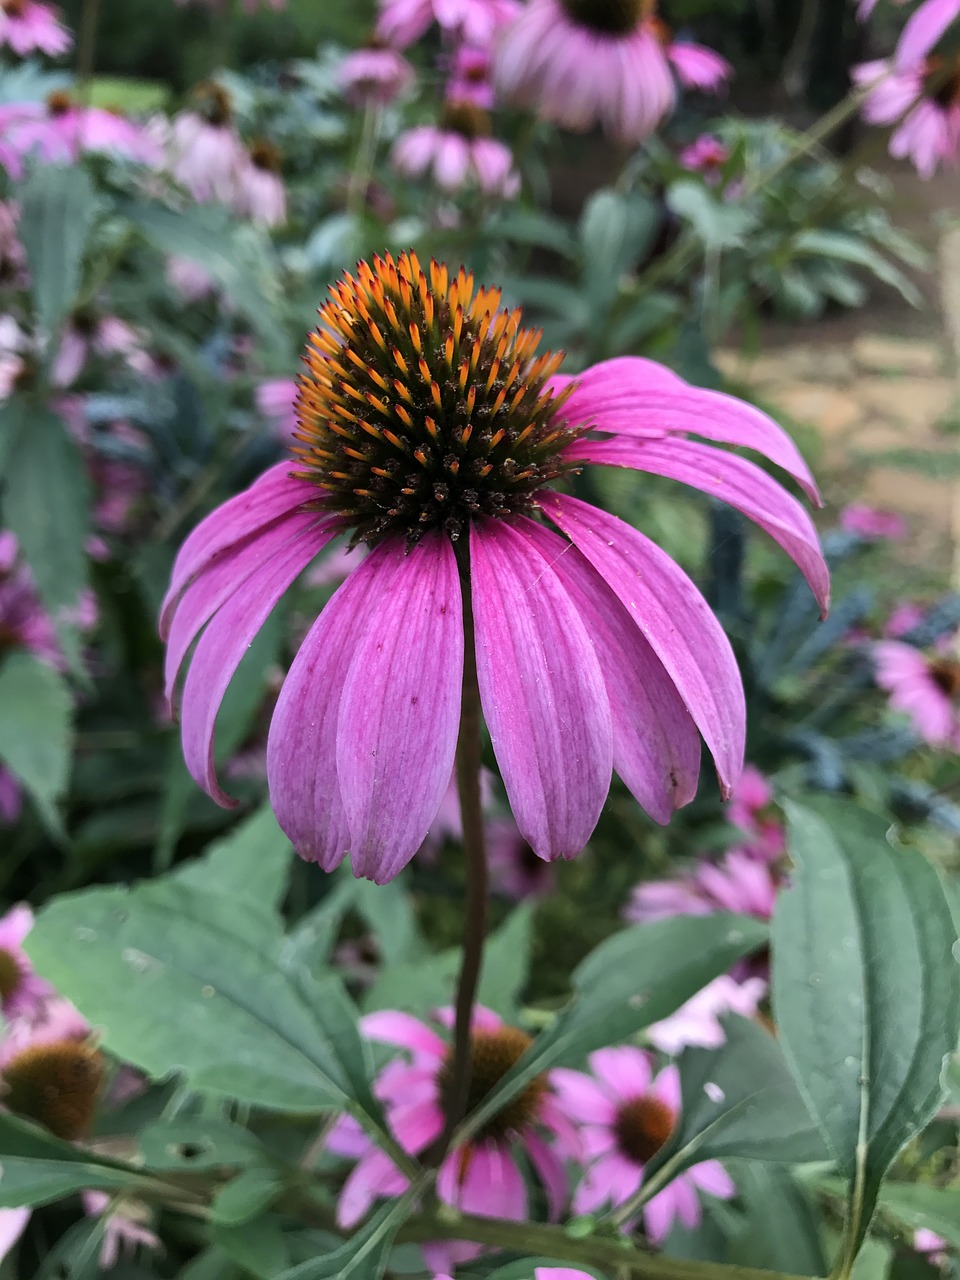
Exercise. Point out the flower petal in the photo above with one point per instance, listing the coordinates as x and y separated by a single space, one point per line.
623 1069
731 479
922 31
400 707
551 1170
631 396
272 495
218 581
403 1029
302 743
656 747
674 618
543 694
581 1098
224 643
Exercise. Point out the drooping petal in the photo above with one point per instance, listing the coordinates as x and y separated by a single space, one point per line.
483 1178
656 747
543 694
731 479
223 645
923 29
633 397
269 497
302 742
219 580
551 1170
403 1029
674 618
376 1175
400 707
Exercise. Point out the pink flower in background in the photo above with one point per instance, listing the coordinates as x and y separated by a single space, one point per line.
482 1177
580 64
515 870
205 152
191 281
932 1246
560 1273
260 194
60 130
374 75
459 154
13 344
627 1115
594 650
29 27
471 78
22 992
738 883
102 335
276 401
924 102
403 22
13 257
698 1021
24 623
871 522
927 689
124 1228
707 155
751 809
923 30
904 618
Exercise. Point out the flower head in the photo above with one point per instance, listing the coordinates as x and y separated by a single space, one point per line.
374 74
707 155
29 27
607 62
124 1227
627 1115
205 152
923 101
698 1020
60 130
925 687
260 193
872 523
51 1072
433 431
476 22
459 153
739 883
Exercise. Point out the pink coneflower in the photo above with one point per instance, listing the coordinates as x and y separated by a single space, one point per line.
13 257
923 29
751 809
586 62
431 430
37 1057
276 401
403 22
471 77
191 281
904 617
872 523
515 870
738 883
932 1246
90 334
926 688
697 1022
628 1115
707 155
925 100
24 623
482 1176
29 27
374 74
260 194
60 130
22 992
206 153
459 154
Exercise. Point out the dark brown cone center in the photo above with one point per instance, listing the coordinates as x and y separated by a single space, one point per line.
11 975
492 1054
606 17
56 1085
59 103
642 1126
945 674
468 120
13 8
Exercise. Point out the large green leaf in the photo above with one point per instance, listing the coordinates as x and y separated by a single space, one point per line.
36 731
635 978
38 1168
253 862
506 960
180 981
865 991
46 504
780 1228
364 1256
57 208
920 1205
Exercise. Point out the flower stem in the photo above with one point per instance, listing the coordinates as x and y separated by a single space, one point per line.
469 764
87 46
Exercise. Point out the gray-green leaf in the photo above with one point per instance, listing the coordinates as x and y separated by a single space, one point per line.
58 205
36 713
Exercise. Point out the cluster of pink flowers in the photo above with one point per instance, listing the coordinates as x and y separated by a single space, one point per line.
918 90
606 1125
43 1038
59 131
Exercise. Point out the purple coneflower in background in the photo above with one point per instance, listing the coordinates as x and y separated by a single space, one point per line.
872 523
22 992
923 101
707 155
260 194
60 131
374 74
476 22
627 1115
481 1176
923 29
581 63
29 27
925 687
459 153
432 431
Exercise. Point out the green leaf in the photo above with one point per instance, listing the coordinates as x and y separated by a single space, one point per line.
38 1168
866 998
364 1256
36 731
240 258
616 231
842 246
197 1144
417 986
259 1247
780 1229
739 1100
506 960
253 862
46 504
635 978
388 910
919 1205
57 208
184 982
246 1196
718 224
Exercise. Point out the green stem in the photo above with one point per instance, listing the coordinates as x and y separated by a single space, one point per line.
469 764
87 45
366 156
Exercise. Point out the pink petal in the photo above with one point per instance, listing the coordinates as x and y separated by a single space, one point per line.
581 1098
542 690
674 618
219 580
656 747
713 1178
404 1030
271 496
666 1087
12 1225
376 1175
552 1173
923 29
612 1180
224 643
685 1201
732 479
302 743
14 926
400 707
483 1179
627 397
348 1138
659 1213
624 1070
417 1125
